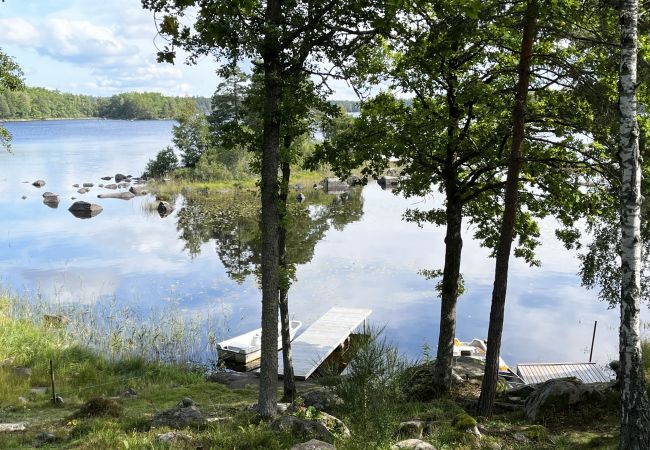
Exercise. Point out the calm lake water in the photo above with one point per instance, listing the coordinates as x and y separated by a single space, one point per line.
131 257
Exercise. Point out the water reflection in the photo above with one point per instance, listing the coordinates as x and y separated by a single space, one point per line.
232 219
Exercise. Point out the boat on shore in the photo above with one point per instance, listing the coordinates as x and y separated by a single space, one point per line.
477 349
247 347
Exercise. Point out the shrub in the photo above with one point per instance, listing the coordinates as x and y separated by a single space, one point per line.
164 162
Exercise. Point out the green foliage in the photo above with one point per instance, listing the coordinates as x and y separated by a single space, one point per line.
371 388
164 162
191 138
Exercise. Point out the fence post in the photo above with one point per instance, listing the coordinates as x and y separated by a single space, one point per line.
52 380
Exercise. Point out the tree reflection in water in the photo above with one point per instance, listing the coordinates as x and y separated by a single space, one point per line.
231 219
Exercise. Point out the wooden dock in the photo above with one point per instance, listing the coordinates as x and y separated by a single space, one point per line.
323 337
539 373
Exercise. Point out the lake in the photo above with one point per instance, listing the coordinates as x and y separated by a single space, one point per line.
128 256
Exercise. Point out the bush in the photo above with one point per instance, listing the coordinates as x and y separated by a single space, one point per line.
371 389
165 162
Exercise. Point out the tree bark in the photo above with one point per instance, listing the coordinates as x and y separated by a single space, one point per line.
449 295
495 329
289 383
635 411
267 399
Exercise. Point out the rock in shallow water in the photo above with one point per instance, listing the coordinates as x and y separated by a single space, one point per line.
121 195
85 210
38 183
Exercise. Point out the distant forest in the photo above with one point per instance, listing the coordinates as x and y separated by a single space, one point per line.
40 103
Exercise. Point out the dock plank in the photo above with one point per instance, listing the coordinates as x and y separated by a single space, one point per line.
317 342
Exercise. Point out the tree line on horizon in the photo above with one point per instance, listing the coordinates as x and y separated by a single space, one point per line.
40 103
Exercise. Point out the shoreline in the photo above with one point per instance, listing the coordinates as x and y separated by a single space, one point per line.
51 119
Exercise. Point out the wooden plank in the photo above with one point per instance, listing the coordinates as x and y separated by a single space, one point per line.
317 342
540 372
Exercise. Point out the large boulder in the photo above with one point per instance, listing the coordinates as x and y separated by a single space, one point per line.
322 399
412 444
412 429
85 210
126 195
562 394
119 177
51 199
334 185
38 183
110 186
83 190
184 415
313 444
469 368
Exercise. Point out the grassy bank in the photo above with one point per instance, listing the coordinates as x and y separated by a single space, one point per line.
374 402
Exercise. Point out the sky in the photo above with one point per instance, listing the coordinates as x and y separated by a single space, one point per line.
100 47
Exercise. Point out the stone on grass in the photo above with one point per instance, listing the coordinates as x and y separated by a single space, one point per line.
313 444
322 399
22 371
184 415
412 429
44 438
173 437
302 427
11 427
412 444
558 395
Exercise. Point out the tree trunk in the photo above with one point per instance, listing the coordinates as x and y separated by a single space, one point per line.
267 399
635 412
495 330
289 393
449 296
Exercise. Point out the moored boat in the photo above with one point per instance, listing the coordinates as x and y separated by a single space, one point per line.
246 348
477 349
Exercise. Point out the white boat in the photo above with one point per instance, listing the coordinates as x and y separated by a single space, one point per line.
247 347
477 348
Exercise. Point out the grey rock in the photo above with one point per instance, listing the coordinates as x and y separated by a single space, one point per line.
302 427
126 195
313 444
164 209
300 197
322 399
52 202
38 183
100 185
110 186
234 380
412 444
24 197
129 393
333 185
138 190
106 178
173 437
83 190
354 180
44 438
76 185
298 186
58 400
11 427
185 414
119 177
522 391
49 194
87 185
122 185
561 394
387 182
469 368
84 210
22 371
412 429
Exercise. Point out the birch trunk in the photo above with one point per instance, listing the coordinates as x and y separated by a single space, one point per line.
267 399
635 414
499 290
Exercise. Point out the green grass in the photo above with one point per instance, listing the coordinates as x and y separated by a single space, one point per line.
82 374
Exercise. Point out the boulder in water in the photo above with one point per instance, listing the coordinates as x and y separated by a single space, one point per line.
38 183
126 195
85 210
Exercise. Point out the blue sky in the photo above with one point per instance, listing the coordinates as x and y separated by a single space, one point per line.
99 47
96 47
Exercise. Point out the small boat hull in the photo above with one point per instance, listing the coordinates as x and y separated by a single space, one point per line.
246 348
